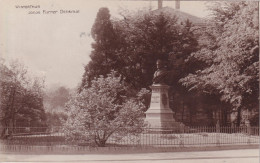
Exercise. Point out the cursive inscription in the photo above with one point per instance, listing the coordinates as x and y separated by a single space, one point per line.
37 9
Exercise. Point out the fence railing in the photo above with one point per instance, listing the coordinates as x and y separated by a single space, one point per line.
156 137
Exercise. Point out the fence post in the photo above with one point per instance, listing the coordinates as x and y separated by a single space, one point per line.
248 128
218 133
218 127
182 128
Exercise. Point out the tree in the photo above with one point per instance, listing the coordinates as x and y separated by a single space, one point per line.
56 98
139 40
132 45
103 110
54 102
148 37
231 57
21 97
102 56
55 118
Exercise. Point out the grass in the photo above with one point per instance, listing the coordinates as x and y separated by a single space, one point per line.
146 139
143 143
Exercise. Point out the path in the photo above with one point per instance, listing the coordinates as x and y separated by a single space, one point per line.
224 156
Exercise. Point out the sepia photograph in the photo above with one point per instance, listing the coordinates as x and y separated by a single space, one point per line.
129 81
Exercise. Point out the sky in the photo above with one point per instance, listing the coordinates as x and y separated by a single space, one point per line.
57 46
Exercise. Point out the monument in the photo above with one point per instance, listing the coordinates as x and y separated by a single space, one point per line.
159 114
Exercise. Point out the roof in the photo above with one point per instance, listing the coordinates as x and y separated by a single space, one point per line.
182 16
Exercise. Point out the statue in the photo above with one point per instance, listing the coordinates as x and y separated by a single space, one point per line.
160 75
159 115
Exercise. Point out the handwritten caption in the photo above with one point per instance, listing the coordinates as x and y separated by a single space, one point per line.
36 9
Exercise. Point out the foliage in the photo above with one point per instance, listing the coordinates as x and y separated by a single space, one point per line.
57 97
54 101
231 55
21 97
55 118
137 42
102 60
151 36
103 110
254 120
131 46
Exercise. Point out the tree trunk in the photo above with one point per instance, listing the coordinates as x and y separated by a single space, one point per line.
190 117
238 116
11 123
225 117
182 113
5 131
102 143
211 118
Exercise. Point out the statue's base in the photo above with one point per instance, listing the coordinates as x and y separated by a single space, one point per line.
159 115
159 124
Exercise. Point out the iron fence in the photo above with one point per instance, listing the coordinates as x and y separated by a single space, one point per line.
155 137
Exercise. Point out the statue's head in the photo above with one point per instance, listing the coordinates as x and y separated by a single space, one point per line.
159 64
160 76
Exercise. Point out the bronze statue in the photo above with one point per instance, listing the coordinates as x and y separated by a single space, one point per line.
160 75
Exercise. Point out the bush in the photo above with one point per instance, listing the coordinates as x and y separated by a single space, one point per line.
102 110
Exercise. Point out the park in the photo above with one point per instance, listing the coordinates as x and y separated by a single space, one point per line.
156 79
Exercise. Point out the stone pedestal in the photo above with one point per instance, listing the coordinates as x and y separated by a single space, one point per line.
159 115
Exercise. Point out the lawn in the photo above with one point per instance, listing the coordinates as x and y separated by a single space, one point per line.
143 139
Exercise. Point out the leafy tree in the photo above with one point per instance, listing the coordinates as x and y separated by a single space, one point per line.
102 56
131 46
231 57
103 110
139 40
151 36
60 97
54 103
21 98
56 98
55 118
148 37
